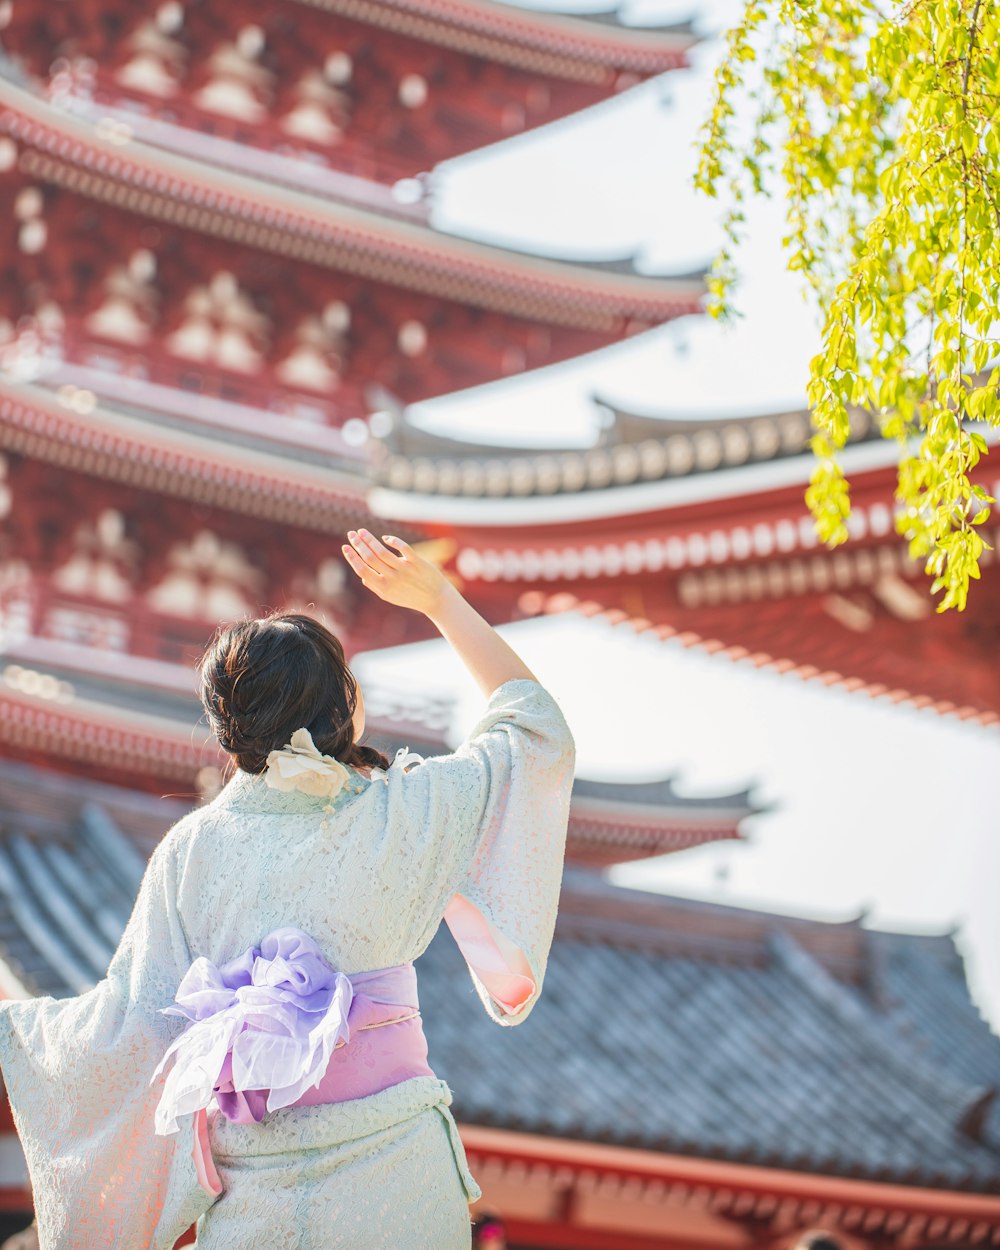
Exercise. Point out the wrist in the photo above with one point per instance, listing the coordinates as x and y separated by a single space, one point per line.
444 606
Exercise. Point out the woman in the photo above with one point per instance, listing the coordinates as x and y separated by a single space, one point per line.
267 965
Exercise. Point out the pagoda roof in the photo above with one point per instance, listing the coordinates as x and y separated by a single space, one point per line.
611 822
743 1035
922 659
634 451
110 715
575 46
109 165
323 181
137 721
208 463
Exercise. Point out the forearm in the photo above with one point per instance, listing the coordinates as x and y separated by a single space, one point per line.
406 578
480 648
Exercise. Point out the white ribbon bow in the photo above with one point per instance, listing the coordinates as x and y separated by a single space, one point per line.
403 758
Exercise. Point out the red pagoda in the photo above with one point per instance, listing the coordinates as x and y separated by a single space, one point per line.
222 289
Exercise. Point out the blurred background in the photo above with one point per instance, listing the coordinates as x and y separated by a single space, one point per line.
283 269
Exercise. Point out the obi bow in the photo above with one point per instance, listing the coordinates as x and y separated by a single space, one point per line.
261 1031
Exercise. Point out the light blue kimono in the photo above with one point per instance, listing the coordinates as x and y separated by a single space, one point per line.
369 874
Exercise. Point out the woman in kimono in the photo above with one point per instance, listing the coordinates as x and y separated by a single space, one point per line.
254 1059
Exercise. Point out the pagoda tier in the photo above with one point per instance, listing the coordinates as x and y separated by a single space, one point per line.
123 540
764 1074
135 723
610 822
698 529
631 450
133 263
379 90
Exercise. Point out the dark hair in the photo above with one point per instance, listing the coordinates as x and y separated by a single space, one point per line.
817 1239
263 678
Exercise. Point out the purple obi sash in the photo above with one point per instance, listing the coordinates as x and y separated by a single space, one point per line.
271 1029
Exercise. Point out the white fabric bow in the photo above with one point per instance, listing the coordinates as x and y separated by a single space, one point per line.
402 759
300 766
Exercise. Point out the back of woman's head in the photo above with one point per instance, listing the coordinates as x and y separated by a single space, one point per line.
261 679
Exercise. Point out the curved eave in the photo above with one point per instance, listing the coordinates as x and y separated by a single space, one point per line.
631 425
599 840
633 452
612 18
776 663
638 456
628 812
86 732
548 44
108 165
659 794
740 1190
493 507
120 448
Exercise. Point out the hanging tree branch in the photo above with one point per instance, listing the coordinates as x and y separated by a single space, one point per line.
885 130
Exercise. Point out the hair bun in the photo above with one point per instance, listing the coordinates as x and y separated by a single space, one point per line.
261 679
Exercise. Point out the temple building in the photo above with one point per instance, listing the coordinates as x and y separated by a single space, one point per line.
223 290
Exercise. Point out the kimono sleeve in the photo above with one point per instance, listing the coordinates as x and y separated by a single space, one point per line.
516 771
77 1073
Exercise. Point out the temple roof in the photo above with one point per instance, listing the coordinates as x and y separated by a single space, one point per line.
632 449
152 732
262 472
743 1036
611 822
109 165
71 859
858 626
562 45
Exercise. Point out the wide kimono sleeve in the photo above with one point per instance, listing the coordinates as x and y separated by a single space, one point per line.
501 800
77 1073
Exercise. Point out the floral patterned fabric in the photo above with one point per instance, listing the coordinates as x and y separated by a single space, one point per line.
368 871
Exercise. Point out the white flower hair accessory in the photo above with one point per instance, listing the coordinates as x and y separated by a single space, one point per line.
300 766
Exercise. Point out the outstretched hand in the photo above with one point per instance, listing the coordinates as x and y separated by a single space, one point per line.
401 576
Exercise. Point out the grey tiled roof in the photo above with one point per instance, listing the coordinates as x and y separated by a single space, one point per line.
666 1024
663 793
72 854
771 1061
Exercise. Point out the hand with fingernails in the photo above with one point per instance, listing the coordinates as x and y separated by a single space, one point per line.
401 576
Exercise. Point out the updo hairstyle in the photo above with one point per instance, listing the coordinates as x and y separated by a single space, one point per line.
261 679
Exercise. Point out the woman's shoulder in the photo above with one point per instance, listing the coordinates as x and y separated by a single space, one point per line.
175 840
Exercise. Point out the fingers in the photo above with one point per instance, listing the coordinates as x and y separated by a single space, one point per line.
404 548
358 565
363 552
374 554
370 560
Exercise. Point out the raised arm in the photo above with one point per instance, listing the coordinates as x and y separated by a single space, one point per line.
512 775
405 578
